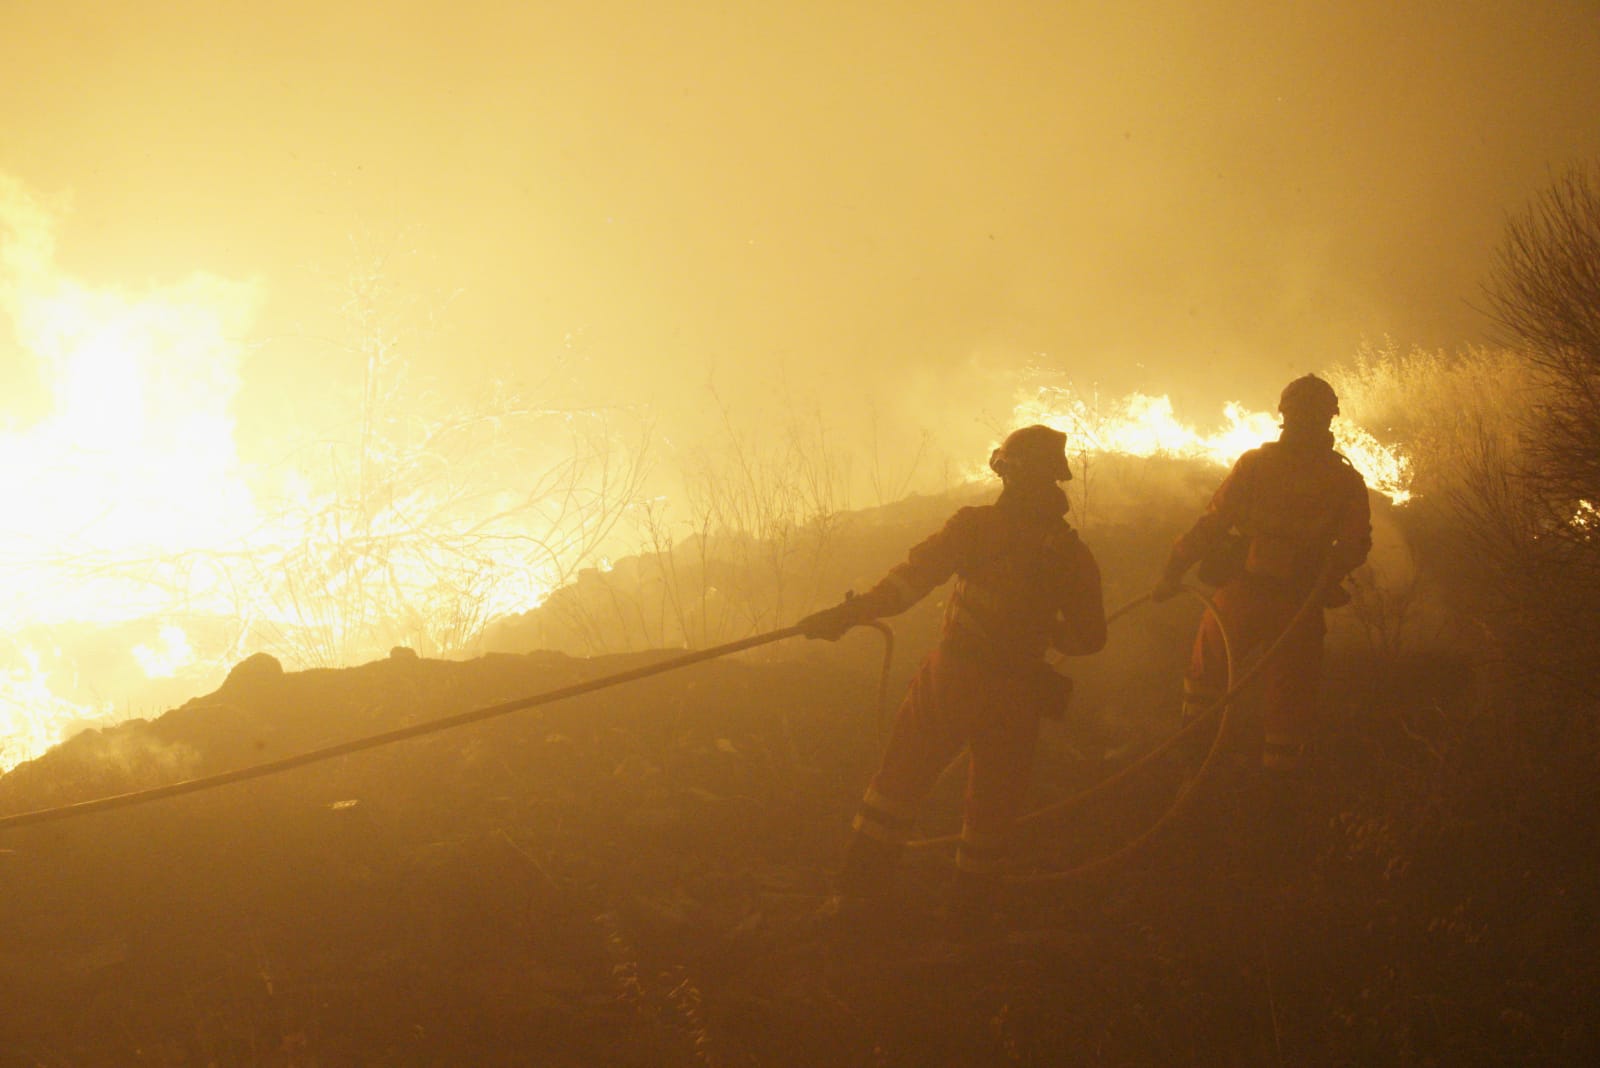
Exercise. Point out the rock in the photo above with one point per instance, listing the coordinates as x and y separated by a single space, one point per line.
253 670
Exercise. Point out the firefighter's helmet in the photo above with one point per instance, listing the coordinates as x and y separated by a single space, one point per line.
1034 451
1309 398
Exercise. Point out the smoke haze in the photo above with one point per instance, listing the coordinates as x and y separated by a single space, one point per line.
887 211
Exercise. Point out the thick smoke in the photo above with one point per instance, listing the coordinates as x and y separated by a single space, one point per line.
883 211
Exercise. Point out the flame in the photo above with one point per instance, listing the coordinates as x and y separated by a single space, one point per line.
131 512
167 656
1386 468
132 459
32 716
129 506
1144 425
1585 519
136 457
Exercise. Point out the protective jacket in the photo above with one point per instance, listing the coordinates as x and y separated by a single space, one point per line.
1300 505
1024 583
1303 510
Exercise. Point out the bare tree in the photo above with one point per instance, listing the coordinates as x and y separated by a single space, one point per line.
1545 290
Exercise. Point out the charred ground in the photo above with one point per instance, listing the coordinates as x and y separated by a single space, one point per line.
628 877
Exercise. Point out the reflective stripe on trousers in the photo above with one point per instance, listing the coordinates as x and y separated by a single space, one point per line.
882 819
981 852
1198 699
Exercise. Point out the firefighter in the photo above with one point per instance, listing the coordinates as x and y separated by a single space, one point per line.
1298 511
1024 583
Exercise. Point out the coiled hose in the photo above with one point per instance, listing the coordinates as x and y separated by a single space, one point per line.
1236 684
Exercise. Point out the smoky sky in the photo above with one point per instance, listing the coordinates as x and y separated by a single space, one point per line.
884 210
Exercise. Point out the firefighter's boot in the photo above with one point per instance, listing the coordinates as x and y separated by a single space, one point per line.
862 903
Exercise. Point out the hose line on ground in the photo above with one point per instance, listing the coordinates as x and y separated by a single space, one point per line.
417 730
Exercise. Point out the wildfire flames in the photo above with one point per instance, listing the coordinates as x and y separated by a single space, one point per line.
1141 425
134 460
134 516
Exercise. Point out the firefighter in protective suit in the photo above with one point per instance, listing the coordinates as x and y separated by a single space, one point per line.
1025 583
1299 511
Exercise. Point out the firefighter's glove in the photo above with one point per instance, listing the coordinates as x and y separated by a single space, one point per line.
1170 585
831 623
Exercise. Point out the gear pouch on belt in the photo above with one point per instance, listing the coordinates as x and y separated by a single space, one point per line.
1225 561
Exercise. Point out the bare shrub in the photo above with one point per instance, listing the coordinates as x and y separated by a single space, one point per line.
743 547
1545 290
890 483
1538 521
1444 406
422 544
419 519
1465 420
410 518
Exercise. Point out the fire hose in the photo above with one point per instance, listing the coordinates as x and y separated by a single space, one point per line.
417 730
477 715
1186 796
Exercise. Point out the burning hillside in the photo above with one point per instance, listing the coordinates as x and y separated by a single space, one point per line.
638 865
153 555
389 393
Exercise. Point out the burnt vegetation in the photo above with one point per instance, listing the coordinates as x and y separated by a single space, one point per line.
629 878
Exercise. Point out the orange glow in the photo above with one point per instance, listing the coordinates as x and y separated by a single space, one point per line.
1143 425
32 716
132 506
135 460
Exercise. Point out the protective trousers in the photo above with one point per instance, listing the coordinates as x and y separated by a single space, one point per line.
1255 612
957 700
